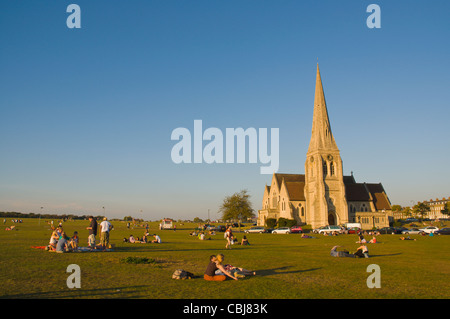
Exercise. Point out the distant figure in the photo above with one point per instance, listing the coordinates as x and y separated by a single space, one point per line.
335 253
105 228
92 232
63 244
228 236
157 239
74 241
244 241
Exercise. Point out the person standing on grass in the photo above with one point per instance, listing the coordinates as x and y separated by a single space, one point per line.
228 236
92 232
105 228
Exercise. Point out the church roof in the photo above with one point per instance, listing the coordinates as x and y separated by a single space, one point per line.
367 192
357 192
380 199
296 190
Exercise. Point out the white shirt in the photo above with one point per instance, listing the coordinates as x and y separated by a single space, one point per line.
105 226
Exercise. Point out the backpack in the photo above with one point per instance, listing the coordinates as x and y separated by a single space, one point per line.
182 274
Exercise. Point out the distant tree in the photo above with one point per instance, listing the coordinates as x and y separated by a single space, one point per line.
397 209
237 206
198 220
271 222
446 210
421 209
406 211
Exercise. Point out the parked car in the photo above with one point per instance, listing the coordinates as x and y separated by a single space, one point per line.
221 228
256 229
443 231
268 230
281 230
328 229
411 231
411 220
354 230
296 229
389 230
429 229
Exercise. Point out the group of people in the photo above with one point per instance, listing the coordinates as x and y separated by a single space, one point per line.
61 242
232 240
362 240
143 240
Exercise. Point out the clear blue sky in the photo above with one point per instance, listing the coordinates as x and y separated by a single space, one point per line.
87 114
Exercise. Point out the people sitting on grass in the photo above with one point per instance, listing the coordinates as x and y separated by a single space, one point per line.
74 241
202 236
53 240
362 252
63 244
216 264
245 241
343 253
157 239
406 238
373 240
361 239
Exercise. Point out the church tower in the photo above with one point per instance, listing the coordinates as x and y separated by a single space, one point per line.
326 203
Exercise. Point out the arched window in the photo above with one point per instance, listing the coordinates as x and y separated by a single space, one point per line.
325 168
331 168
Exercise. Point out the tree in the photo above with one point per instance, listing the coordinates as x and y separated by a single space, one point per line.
446 210
407 211
397 209
422 209
237 206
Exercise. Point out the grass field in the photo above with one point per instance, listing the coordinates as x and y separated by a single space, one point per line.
287 266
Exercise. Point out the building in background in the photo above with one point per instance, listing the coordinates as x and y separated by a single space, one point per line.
323 195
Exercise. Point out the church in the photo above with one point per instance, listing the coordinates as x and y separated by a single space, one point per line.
323 195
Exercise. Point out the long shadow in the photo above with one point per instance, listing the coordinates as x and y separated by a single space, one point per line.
117 292
372 256
279 271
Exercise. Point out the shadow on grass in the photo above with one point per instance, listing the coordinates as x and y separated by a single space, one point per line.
374 256
103 293
280 271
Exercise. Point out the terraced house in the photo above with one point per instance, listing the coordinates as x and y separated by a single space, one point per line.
323 195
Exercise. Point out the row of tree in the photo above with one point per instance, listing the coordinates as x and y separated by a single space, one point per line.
420 209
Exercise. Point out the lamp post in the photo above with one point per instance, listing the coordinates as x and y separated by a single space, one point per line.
40 213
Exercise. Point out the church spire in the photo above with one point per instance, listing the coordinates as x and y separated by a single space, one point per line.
321 135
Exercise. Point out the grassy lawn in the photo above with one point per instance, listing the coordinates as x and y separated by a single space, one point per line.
287 266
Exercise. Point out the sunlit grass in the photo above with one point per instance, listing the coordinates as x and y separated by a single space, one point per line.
287 266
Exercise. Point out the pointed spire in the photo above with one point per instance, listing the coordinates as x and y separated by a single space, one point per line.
321 135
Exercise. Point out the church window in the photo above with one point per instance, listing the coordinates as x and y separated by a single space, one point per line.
331 168
325 168
303 211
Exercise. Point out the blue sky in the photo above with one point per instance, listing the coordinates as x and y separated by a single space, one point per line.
87 114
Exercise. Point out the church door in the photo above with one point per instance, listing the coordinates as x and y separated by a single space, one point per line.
331 219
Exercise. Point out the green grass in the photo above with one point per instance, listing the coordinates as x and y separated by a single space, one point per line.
287 266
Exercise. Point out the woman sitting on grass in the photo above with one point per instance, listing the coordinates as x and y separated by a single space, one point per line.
215 264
